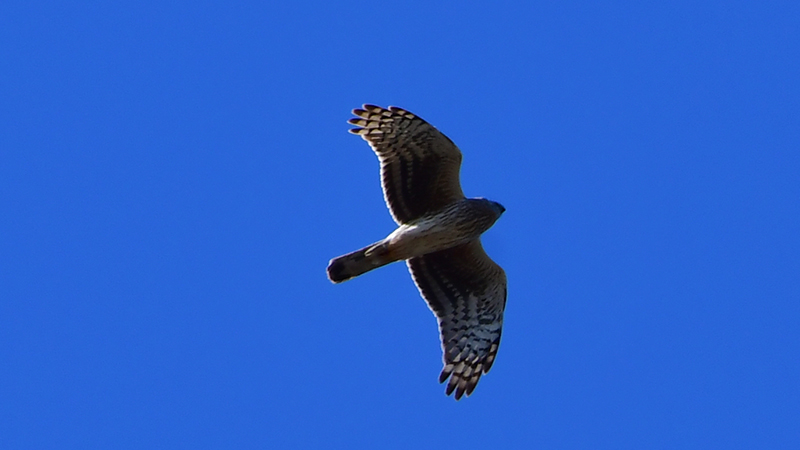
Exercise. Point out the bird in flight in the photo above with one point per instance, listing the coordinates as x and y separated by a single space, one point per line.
439 238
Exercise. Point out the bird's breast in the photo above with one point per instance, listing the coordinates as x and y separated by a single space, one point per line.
452 226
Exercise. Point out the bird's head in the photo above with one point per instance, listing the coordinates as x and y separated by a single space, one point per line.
498 207
495 207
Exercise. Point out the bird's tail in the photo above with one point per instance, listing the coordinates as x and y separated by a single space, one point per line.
358 262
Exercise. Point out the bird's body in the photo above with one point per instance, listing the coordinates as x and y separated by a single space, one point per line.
454 225
438 237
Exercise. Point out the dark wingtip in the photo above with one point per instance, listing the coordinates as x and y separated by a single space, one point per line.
462 380
444 375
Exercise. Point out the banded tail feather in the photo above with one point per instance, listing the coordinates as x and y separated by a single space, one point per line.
358 262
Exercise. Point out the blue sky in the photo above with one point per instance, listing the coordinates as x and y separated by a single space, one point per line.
175 177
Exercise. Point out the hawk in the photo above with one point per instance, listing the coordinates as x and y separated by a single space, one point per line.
438 237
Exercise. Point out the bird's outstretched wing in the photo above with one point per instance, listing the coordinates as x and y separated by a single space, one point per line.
466 291
419 165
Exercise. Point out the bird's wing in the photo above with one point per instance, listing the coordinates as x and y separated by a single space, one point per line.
466 291
419 165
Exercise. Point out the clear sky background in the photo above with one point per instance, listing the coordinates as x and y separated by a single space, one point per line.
175 177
